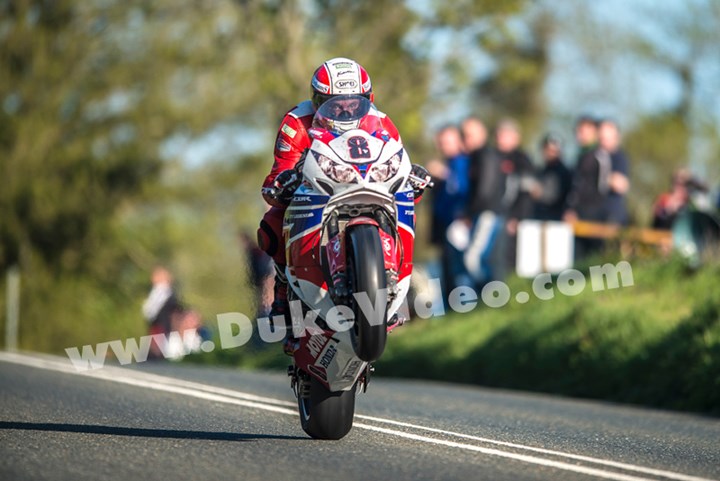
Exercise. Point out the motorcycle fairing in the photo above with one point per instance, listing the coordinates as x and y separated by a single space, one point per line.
329 356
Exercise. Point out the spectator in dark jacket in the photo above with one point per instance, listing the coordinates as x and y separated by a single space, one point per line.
474 133
587 198
601 179
597 175
609 140
554 181
500 200
502 175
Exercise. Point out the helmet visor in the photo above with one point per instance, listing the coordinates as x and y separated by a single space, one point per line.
341 113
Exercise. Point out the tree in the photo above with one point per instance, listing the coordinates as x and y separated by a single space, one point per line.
515 87
91 94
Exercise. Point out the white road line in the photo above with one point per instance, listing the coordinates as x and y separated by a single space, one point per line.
109 372
229 396
506 454
157 383
588 459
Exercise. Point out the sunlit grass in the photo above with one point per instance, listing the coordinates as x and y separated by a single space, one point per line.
623 344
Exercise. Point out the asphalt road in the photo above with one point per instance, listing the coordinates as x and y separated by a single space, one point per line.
164 421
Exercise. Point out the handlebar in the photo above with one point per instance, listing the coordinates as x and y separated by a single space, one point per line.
421 182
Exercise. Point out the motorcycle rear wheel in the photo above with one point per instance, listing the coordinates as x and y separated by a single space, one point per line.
325 414
366 273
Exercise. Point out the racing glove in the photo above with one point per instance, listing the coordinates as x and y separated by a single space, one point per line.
419 180
284 186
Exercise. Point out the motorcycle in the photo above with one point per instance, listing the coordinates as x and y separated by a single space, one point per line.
349 234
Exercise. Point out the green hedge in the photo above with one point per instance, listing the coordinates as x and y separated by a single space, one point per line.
655 343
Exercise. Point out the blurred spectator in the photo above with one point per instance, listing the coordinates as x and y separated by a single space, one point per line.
669 205
501 199
689 211
555 180
449 198
474 135
504 171
260 271
161 303
166 315
600 181
450 195
586 135
609 140
588 194
585 200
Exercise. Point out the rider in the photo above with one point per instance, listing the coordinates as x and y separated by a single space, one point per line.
337 76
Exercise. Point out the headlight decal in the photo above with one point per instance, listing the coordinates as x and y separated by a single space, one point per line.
386 170
352 173
342 173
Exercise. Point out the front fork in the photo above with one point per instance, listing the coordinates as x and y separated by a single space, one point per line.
392 264
337 257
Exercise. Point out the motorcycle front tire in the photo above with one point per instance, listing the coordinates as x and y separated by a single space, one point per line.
325 414
366 269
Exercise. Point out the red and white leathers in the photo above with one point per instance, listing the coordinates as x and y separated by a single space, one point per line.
292 140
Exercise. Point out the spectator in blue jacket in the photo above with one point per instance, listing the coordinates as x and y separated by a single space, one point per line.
449 199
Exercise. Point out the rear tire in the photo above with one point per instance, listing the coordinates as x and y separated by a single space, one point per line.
366 273
325 414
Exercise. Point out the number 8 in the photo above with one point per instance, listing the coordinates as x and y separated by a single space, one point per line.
358 148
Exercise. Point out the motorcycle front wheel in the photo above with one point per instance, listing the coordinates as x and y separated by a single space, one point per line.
366 273
325 414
